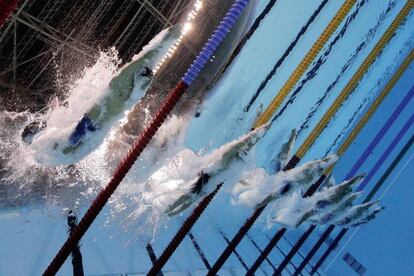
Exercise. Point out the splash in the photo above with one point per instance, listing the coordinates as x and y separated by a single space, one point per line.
97 104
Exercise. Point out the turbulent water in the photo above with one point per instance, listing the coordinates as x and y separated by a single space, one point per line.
36 175
26 182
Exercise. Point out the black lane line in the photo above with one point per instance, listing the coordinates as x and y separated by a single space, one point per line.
370 35
260 250
321 60
380 182
235 251
199 250
284 56
251 31
152 256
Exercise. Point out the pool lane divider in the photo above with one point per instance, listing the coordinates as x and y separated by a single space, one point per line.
312 137
6 9
146 136
265 117
390 85
293 162
352 84
182 232
282 59
305 63
395 162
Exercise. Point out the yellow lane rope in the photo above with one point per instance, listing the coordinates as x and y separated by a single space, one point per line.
352 84
305 63
387 89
